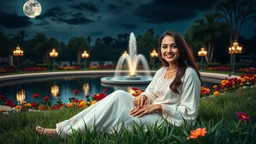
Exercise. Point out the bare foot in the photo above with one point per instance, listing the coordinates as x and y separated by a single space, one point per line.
46 131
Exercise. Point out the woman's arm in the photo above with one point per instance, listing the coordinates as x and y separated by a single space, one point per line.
187 108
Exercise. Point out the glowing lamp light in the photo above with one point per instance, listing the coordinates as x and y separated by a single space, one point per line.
54 90
202 52
154 53
53 53
85 54
20 97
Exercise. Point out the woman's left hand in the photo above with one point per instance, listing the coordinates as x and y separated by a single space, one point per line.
146 109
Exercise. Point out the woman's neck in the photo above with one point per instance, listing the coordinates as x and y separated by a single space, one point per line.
172 66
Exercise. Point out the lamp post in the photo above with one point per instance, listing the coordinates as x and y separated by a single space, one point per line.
202 53
53 54
85 55
18 53
233 50
154 54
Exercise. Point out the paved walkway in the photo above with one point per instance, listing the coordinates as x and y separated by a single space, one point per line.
216 76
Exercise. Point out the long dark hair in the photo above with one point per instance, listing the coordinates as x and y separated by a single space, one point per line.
186 58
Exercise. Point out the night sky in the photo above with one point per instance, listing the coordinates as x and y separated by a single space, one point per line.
64 19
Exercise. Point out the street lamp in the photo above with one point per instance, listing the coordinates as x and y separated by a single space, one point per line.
125 53
153 55
85 55
202 53
18 53
233 50
53 54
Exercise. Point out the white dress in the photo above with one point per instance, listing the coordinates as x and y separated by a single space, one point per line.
114 110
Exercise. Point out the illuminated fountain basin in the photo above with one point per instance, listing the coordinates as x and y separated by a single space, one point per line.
130 60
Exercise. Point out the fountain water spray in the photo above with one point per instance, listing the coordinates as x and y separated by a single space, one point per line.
132 60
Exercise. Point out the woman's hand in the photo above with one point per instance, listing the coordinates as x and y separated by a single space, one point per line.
146 109
139 101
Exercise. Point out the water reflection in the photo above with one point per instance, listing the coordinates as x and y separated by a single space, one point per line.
21 96
86 88
54 90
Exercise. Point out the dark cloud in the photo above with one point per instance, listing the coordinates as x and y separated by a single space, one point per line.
126 3
79 14
54 12
84 6
75 21
164 11
128 26
114 8
43 23
14 21
96 33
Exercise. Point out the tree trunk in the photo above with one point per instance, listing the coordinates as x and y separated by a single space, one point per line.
79 57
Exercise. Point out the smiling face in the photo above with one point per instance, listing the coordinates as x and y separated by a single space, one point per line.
169 50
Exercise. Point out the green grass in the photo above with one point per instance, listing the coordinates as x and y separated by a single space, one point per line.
217 114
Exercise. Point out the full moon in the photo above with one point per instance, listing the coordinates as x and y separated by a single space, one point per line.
32 8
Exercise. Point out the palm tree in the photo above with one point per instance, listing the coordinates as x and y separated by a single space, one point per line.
205 32
43 45
79 44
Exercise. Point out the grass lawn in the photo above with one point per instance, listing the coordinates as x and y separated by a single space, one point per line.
216 114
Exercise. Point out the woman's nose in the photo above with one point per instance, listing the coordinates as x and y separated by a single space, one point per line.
169 49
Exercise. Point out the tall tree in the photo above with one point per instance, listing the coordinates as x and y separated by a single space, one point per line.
6 44
79 44
205 32
236 12
43 45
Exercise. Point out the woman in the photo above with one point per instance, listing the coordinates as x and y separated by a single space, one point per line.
173 94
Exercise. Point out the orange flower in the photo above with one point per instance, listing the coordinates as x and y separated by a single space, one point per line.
216 93
197 133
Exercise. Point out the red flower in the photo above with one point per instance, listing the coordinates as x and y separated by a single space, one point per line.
35 95
2 97
243 116
75 92
105 90
46 98
34 104
134 88
99 96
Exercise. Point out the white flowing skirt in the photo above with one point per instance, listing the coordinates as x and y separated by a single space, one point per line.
109 113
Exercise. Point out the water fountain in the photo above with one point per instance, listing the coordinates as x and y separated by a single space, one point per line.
132 60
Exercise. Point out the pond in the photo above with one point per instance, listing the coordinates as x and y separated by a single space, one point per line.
61 88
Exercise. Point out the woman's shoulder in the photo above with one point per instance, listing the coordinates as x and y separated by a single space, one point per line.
190 72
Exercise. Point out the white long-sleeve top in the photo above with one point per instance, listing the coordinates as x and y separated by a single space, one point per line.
175 107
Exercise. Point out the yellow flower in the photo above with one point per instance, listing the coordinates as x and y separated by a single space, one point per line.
18 107
215 86
27 105
93 102
69 105
216 93
82 104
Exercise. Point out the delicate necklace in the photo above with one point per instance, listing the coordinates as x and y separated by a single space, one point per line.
172 70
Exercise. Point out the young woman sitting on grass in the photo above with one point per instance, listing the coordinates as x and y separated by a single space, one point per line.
173 94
